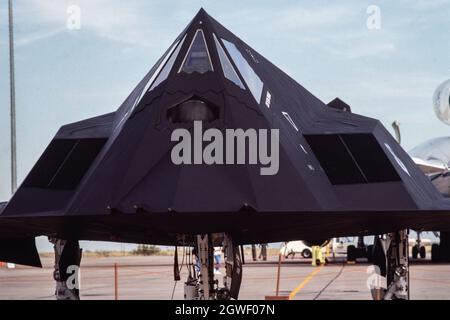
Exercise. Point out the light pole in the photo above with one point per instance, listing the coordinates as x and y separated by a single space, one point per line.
12 99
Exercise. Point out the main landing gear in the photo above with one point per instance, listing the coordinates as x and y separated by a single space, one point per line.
390 257
67 267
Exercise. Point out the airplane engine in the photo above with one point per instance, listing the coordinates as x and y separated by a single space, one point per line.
192 110
441 102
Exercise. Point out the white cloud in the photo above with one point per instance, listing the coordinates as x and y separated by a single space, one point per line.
31 38
316 17
430 4
124 21
402 86
340 29
111 19
362 48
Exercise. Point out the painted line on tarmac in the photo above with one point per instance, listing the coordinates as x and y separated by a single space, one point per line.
304 282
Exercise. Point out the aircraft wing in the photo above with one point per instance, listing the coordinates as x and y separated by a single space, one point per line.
17 245
2 206
428 167
112 177
432 156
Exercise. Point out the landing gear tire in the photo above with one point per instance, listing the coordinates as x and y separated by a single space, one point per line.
435 253
415 252
223 294
422 252
370 253
351 251
306 254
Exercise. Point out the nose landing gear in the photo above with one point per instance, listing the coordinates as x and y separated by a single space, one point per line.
201 284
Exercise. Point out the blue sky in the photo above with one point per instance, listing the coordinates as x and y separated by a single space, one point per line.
68 75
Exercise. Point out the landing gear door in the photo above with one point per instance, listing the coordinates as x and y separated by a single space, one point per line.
236 275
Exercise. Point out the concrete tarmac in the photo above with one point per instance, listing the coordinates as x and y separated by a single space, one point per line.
148 278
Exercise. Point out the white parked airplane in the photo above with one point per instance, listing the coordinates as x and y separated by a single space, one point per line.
433 156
